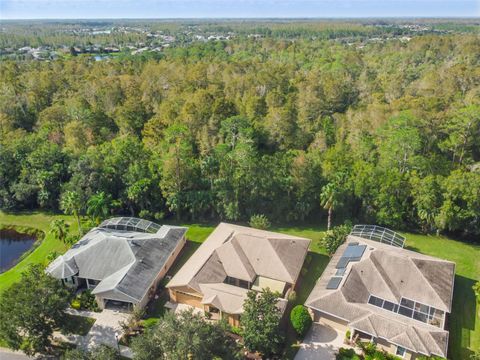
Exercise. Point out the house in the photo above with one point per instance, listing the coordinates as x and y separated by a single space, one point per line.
383 293
122 261
233 260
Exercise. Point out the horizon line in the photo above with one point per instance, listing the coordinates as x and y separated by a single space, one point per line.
252 18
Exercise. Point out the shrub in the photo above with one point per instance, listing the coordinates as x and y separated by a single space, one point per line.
150 322
376 355
346 354
335 237
301 319
75 304
145 214
159 215
236 330
86 301
369 348
476 290
292 296
259 221
347 335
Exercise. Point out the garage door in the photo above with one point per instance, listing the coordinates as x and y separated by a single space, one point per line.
118 305
191 300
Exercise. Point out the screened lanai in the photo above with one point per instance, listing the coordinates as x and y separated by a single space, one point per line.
130 224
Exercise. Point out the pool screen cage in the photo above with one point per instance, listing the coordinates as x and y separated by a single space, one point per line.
378 233
130 224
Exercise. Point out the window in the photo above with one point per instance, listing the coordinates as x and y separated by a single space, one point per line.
243 284
405 311
411 309
422 308
375 301
420 316
237 282
400 351
387 305
407 303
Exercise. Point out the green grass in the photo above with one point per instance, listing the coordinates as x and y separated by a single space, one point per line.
78 325
39 221
464 324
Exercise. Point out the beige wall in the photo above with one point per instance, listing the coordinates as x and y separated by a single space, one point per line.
392 349
183 298
329 320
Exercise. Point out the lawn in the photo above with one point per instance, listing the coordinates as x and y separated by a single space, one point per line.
39 221
77 325
464 325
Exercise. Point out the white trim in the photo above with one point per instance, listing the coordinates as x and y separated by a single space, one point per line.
399 305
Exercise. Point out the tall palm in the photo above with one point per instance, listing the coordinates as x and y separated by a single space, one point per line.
98 206
329 199
59 229
71 204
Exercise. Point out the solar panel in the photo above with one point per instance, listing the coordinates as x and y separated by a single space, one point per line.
340 272
342 263
354 252
334 282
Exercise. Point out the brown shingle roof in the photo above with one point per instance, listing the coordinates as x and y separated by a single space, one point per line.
389 273
243 253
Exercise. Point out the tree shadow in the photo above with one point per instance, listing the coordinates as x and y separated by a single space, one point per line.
313 268
461 321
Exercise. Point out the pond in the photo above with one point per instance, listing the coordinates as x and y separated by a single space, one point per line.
12 245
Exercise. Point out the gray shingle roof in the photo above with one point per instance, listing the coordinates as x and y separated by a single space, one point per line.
125 262
389 273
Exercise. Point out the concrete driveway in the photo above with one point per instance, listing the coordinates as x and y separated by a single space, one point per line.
107 323
320 343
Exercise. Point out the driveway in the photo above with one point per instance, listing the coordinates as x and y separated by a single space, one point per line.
320 343
107 323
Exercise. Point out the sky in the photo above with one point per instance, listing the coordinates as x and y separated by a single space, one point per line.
95 9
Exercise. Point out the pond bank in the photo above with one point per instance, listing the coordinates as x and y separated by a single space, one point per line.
16 243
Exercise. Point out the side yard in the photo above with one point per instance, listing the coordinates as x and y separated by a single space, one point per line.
39 221
464 326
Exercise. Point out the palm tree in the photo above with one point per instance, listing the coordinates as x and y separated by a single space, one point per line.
329 199
59 229
52 255
71 205
98 206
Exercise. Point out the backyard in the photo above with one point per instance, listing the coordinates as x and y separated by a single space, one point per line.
464 326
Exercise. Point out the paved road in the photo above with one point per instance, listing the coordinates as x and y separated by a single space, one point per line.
6 354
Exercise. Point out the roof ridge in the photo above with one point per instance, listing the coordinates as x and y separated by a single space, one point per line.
419 337
241 254
381 271
428 282
436 343
371 324
404 332
269 241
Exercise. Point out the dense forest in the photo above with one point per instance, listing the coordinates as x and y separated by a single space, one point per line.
387 132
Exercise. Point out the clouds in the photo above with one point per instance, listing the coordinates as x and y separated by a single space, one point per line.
234 8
